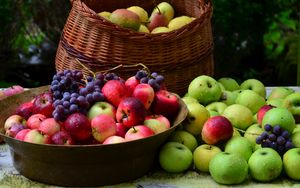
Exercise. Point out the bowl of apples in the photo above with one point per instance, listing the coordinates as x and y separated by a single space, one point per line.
90 130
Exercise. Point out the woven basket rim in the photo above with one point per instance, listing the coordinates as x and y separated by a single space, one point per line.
206 13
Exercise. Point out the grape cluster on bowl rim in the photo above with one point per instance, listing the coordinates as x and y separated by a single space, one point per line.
73 92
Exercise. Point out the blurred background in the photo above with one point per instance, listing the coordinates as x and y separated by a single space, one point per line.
252 39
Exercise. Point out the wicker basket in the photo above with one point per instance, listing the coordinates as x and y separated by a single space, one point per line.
180 55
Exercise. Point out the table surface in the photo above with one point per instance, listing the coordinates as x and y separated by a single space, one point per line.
10 177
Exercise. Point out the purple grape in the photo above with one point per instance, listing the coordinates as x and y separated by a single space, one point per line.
277 130
154 74
259 140
97 96
89 98
109 76
159 79
144 80
272 137
280 140
285 134
268 127
73 108
273 145
289 145
264 135
83 91
265 144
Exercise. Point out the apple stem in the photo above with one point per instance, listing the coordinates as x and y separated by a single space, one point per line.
134 129
241 130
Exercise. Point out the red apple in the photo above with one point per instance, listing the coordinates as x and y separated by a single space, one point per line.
130 112
115 91
25 110
13 119
145 93
216 129
103 126
14 129
79 127
35 121
138 132
121 130
21 134
261 112
49 126
157 20
157 123
62 138
42 104
131 83
35 136
114 139
166 104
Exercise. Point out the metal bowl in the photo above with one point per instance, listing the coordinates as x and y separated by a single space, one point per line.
82 165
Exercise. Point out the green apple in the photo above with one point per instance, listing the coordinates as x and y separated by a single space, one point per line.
166 9
296 139
101 107
216 106
175 157
257 146
279 116
278 102
213 113
179 22
292 103
255 118
229 84
222 87
240 116
291 163
202 156
280 93
297 128
252 132
143 29
160 29
125 18
265 164
142 13
184 138
105 14
255 85
205 89
236 132
250 99
189 99
195 119
239 145
228 97
228 168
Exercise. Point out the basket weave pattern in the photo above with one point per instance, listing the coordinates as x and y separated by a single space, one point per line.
179 55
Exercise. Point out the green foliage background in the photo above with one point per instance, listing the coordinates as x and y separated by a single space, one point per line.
253 39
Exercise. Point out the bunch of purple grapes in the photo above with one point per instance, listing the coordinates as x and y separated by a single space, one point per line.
73 92
276 138
154 79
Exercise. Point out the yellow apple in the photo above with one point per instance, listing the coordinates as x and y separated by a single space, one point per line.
142 13
197 116
179 22
160 30
202 156
105 14
143 29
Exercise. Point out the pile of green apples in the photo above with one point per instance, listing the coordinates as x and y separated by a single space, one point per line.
219 135
161 20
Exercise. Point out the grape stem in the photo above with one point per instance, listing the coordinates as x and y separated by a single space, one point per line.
114 68
241 130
